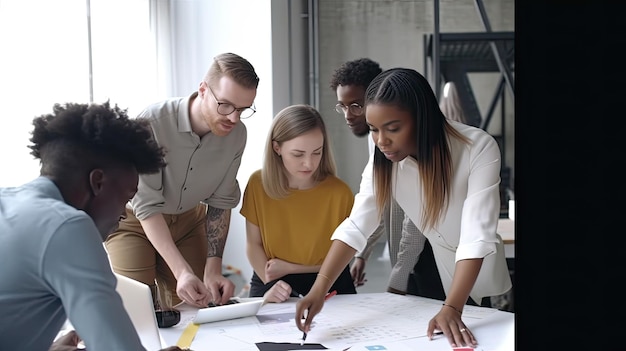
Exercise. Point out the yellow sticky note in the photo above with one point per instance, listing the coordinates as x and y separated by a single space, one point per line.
186 338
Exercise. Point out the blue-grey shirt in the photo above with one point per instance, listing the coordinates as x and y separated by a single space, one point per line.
53 266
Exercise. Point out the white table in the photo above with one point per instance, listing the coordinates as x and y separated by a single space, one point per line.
398 323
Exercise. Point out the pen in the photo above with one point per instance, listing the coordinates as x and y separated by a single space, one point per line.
293 292
328 296
303 338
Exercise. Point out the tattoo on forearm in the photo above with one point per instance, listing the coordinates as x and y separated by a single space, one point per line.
217 224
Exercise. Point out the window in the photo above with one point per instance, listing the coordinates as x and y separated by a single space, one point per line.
47 58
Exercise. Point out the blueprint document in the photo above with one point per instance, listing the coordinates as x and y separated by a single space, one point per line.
345 320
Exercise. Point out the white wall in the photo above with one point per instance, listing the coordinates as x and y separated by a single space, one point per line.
35 72
45 60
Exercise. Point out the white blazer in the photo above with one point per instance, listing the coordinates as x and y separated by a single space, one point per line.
466 230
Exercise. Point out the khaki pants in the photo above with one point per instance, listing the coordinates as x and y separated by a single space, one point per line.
133 256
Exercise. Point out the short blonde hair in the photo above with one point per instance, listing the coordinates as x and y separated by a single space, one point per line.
235 67
288 124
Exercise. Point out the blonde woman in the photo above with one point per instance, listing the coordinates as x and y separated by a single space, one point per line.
292 205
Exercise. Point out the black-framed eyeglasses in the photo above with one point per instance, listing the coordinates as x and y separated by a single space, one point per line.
226 108
354 109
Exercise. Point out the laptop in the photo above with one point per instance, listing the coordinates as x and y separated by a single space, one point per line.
236 308
137 300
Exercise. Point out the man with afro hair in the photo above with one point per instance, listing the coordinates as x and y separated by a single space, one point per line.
54 266
349 81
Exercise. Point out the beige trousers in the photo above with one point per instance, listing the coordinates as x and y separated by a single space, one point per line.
132 254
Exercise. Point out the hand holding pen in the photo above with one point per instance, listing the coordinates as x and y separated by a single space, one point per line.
310 307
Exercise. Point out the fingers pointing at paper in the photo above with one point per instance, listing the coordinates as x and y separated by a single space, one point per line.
312 303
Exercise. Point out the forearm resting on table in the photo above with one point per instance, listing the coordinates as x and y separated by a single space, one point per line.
159 234
465 274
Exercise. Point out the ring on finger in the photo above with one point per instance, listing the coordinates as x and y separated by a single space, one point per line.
462 330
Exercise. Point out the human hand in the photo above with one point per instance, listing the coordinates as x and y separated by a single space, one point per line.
357 271
448 320
221 288
312 303
280 292
276 268
192 290
68 342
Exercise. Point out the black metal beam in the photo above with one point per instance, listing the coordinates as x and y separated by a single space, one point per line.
477 36
492 106
504 69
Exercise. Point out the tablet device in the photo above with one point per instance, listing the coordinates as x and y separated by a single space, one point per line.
238 308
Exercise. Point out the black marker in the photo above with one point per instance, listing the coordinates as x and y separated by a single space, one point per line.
297 294
303 338
328 296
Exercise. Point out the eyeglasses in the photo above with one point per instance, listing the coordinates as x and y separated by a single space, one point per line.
225 108
354 109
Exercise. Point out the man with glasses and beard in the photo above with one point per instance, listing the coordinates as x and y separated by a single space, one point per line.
176 226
